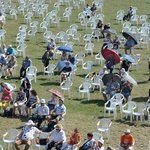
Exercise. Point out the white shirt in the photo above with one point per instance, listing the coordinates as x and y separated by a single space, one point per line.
58 136
28 133
60 109
102 73
2 18
43 110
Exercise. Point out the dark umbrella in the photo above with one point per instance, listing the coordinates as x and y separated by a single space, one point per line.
107 53
126 34
108 77
65 49
110 31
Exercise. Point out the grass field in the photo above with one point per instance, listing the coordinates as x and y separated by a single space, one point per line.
82 113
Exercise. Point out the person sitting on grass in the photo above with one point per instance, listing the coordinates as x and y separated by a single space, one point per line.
20 100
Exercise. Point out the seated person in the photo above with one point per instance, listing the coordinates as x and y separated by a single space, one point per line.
126 90
126 141
31 102
9 50
52 101
10 66
20 100
112 87
58 112
75 139
72 59
110 63
27 135
6 97
93 9
129 45
2 20
126 65
103 72
41 113
3 49
64 56
116 44
130 13
89 143
51 45
86 8
100 27
65 72
107 40
2 65
59 137
99 145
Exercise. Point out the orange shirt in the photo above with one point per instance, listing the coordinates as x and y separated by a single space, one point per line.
75 138
127 139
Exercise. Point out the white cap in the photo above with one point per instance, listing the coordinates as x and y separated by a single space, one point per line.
42 101
30 122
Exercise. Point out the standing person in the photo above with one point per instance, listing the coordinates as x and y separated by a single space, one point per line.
20 100
75 139
2 65
41 113
126 141
26 86
116 44
110 63
51 45
89 143
47 56
58 137
25 64
32 101
130 13
27 135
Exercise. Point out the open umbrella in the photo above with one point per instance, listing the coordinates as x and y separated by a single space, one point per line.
106 53
110 31
126 34
131 80
59 94
65 49
62 64
128 57
108 77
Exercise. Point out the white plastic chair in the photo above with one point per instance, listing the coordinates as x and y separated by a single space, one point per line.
89 48
40 136
110 106
66 15
76 37
85 88
46 35
66 86
128 109
135 19
57 6
99 58
21 48
136 61
60 35
1 147
97 136
13 12
143 18
148 115
31 71
49 70
97 82
9 137
140 111
83 23
43 26
56 21
103 125
80 57
87 66
87 38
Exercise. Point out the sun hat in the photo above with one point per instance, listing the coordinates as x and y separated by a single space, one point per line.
10 45
127 131
67 62
42 101
7 89
105 67
58 126
62 99
101 141
30 122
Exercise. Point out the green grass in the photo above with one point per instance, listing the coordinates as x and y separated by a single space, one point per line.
82 113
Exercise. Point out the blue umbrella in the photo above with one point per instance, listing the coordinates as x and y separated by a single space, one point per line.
128 57
65 49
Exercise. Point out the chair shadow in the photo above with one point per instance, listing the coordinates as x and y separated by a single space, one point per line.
81 75
39 73
143 82
50 83
93 101
140 99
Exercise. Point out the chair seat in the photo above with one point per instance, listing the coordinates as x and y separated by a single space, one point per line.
84 91
138 113
9 141
102 130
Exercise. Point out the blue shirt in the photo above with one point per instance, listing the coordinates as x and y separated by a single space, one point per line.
3 61
129 43
26 63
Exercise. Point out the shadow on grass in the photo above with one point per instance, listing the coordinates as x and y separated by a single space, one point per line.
143 82
93 101
82 75
40 73
50 83
140 99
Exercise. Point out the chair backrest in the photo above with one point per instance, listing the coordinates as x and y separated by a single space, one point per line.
89 64
119 97
51 67
130 105
31 70
67 83
12 133
1 147
141 107
104 123
97 136
86 85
